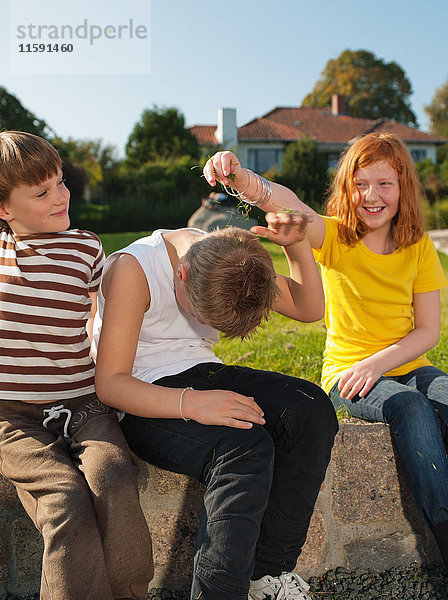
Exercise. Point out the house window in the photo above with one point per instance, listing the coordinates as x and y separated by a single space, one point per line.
261 160
418 155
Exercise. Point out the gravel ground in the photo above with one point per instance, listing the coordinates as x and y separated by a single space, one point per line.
398 583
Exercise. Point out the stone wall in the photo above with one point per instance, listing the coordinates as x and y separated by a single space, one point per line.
365 517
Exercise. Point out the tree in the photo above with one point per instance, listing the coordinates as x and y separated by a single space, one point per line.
160 134
442 161
374 89
16 117
432 180
305 171
437 111
86 164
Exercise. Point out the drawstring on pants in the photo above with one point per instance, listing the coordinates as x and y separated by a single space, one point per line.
54 413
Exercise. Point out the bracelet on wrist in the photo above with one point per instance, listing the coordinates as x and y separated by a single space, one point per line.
258 198
231 192
180 403
262 198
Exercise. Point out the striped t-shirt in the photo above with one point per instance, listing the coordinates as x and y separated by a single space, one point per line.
45 281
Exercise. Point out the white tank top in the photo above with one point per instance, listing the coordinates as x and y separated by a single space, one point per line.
170 340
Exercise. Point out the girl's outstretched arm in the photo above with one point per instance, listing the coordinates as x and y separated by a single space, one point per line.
302 295
360 378
127 298
225 168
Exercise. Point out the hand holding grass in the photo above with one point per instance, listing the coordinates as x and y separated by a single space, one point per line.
225 168
250 188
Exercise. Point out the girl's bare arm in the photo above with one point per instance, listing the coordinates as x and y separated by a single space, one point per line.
224 167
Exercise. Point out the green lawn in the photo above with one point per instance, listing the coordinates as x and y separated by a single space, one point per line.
282 344
115 241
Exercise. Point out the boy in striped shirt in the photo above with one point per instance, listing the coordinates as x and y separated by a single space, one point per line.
59 445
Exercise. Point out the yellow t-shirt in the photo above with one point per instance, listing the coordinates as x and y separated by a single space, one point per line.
369 298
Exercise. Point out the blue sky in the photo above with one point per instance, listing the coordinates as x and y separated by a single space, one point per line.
249 54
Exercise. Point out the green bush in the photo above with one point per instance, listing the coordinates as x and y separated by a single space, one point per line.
157 194
134 213
305 172
441 206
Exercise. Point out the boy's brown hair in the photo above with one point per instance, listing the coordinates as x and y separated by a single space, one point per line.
25 159
368 150
231 281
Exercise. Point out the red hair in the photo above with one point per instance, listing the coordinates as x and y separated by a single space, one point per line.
368 150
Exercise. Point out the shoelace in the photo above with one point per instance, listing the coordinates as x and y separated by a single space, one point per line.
293 586
54 413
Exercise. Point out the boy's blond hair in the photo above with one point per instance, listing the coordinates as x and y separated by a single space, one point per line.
25 159
368 150
231 281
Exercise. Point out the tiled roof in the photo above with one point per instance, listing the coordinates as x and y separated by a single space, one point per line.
321 125
285 124
265 129
205 134
408 134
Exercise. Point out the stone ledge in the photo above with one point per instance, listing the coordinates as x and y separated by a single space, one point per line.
365 517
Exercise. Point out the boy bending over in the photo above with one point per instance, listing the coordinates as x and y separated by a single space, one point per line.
61 448
259 441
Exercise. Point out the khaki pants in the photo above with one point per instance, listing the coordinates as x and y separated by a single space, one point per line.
81 492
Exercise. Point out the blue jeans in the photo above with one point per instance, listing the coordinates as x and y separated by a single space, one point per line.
415 406
261 483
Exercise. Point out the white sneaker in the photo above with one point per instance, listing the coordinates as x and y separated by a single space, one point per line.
288 586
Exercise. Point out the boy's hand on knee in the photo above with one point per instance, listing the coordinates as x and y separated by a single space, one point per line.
285 228
222 407
225 168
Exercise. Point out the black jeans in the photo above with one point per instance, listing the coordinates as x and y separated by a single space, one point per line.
261 483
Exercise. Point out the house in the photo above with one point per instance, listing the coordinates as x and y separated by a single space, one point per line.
260 143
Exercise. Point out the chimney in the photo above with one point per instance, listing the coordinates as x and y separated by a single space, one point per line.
227 132
338 104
